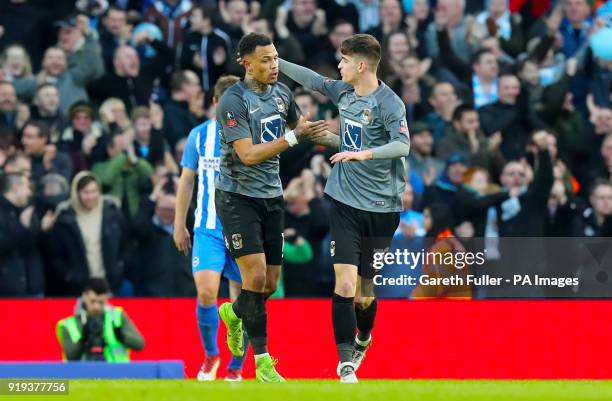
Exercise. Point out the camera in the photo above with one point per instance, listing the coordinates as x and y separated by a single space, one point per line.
94 342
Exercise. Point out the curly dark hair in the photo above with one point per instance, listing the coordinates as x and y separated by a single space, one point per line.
249 43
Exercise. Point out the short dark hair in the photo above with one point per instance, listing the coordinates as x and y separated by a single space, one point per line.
478 55
44 130
109 138
524 62
363 45
12 159
461 110
223 83
248 44
113 7
508 73
598 182
85 181
262 17
44 85
177 80
305 92
206 11
98 285
7 181
340 21
438 83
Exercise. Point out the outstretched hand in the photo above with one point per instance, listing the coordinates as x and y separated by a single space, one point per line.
347 156
307 130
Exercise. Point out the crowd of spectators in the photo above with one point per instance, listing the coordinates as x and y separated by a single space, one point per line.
508 105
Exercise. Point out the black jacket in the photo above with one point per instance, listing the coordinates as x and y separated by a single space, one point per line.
585 224
132 91
108 44
160 270
469 205
21 268
302 280
194 41
515 122
530 221
178 121
62 165
157 148
69 262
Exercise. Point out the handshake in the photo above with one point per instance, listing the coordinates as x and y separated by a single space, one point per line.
309 130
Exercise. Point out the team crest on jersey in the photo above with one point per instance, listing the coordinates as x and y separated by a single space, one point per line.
280 105
230 119
366 116
332 248
270 128
237 241
403 127
352 136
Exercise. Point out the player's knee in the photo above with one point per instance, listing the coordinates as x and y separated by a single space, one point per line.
257 282
345 288
207 296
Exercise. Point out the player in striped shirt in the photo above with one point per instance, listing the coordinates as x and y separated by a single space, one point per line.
210 257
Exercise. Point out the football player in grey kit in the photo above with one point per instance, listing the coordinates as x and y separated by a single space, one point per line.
365 186
253 114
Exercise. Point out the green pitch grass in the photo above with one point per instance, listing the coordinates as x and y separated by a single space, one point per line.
314 390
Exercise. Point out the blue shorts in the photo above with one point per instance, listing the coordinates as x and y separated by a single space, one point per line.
209 253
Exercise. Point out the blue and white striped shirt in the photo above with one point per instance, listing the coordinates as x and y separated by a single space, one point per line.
202 153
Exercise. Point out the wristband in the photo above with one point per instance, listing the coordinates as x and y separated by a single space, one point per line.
291 138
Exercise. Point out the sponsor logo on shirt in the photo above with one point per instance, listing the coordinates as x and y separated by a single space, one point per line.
210 163
230 120
403 127
352 136
270 128
332 248
195 262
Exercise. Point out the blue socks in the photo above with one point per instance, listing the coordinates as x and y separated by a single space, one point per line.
208 323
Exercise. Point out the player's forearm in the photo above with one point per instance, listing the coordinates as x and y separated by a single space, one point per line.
392 150
302 75
328 139
183 200
261 152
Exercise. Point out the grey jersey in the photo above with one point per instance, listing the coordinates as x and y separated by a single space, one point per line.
263 118
365 123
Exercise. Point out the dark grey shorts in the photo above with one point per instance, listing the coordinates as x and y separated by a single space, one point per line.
252 225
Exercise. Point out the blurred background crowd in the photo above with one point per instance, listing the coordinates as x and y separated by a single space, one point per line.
508 105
